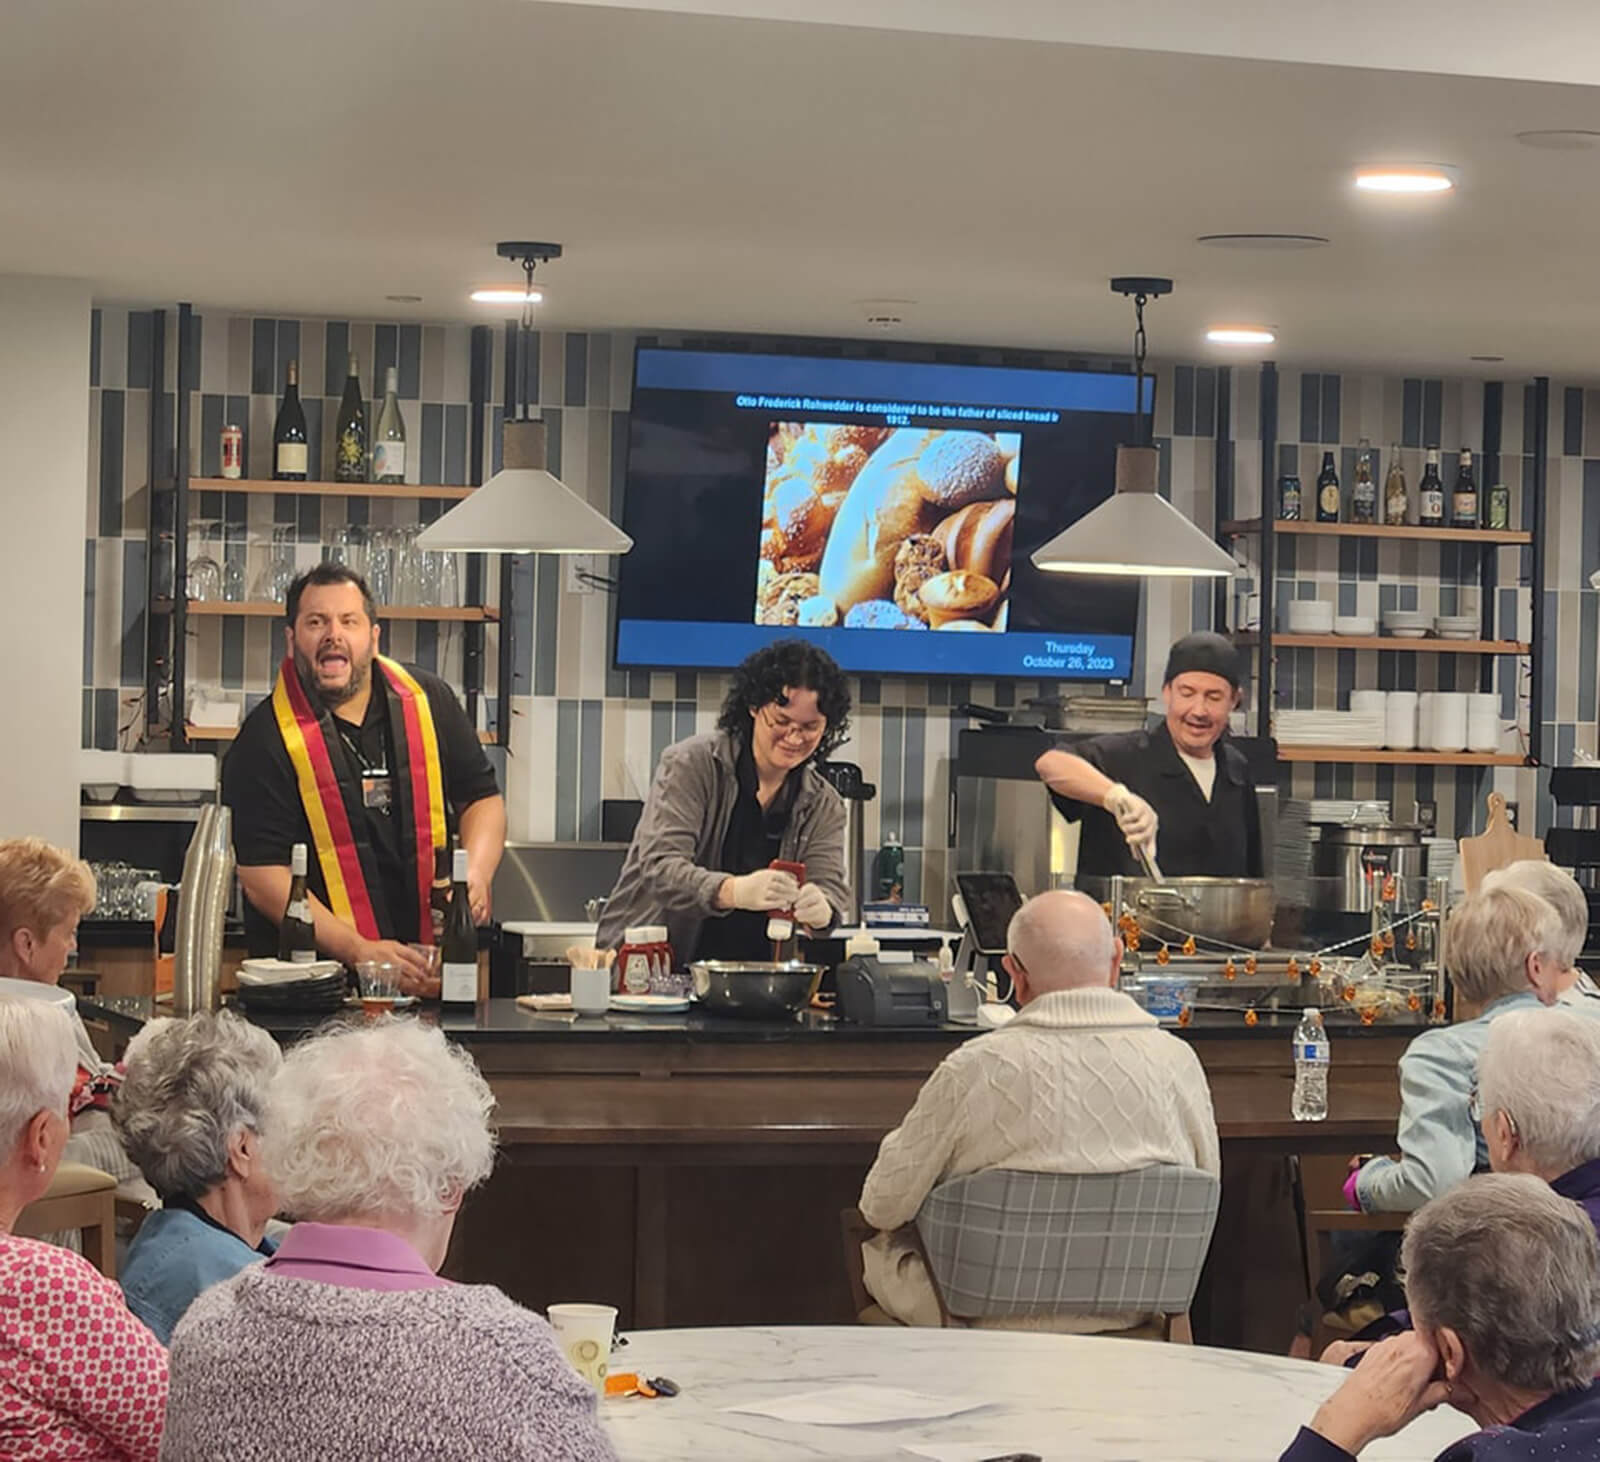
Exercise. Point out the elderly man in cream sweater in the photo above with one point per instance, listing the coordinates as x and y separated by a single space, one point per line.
1082 1081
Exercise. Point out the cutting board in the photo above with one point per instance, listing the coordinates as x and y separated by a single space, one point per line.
1497 845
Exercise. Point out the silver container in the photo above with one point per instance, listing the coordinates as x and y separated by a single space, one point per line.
1353 858
1235 911
755 989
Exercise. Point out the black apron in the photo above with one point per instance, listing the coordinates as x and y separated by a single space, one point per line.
1220 838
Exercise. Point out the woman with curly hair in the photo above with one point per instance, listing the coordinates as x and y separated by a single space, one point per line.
726 804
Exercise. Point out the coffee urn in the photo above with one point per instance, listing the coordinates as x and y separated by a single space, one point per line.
845 778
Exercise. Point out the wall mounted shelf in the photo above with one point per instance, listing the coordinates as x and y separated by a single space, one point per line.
406 491
1372 756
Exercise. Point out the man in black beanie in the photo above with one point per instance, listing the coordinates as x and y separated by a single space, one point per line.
1180 791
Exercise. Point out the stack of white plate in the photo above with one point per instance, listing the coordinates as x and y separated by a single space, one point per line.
1406 624
1355 624
1456 626
1483 721
1329 728
1343 809
1310 617
1442 854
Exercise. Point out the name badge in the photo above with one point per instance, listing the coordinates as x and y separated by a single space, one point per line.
377 791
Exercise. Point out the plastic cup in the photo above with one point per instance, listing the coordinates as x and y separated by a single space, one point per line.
591 991
585 1333
380 986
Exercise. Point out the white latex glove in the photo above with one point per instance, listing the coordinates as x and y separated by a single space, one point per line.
1135 817
766 888
812 908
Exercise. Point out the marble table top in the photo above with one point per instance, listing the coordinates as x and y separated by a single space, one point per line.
1066 1398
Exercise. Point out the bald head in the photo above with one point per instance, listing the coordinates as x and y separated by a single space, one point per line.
1063 940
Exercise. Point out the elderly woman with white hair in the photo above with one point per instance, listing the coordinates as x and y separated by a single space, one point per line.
1555 976
1504 1280
1492 941
79 1376
347 1344
189 1114
1539 1101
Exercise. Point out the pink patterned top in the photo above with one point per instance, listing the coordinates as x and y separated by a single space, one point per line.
80 1377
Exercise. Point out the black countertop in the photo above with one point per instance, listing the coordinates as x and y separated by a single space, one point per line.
505 1020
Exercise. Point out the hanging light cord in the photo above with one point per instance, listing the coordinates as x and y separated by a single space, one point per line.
1139 346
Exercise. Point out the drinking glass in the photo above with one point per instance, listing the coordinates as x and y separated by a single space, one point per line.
272 583
449 580
205 572
348 546
235 547
381 565
408 585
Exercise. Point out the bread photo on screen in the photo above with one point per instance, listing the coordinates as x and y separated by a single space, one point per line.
876 514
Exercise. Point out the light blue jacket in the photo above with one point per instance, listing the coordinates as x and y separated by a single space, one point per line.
174 1256
1440 1144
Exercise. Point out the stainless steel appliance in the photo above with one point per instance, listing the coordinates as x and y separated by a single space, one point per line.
754 989
1351 860
845 777
1232 911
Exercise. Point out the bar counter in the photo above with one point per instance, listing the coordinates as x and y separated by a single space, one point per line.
691 1169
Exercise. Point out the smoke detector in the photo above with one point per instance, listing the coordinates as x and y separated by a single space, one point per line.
885 315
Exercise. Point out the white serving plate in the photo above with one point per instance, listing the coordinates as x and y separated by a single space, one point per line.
651 1004
1408 631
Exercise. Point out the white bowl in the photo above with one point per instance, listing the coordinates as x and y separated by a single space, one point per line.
1355 624
1405 616
1408 632
1310 617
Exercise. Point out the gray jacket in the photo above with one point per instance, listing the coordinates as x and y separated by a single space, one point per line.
671 873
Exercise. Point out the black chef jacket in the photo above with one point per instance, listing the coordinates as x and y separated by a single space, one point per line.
1220 838
258 783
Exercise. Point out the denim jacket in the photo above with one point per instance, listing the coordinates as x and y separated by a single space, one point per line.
177 1253
1440 1145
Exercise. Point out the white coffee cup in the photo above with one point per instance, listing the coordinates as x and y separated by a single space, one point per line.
585 1333
591 991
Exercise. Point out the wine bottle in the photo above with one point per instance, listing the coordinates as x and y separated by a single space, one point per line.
389 439
1464 495
297 934
439 896
1328 491
1430 493
289 431
1499 506
350 444
1396 500
458 953
1289 497
1364 491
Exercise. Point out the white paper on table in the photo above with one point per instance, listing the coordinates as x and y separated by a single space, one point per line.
857 1406
963 1451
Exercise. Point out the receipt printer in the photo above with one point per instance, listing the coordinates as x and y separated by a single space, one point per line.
891 989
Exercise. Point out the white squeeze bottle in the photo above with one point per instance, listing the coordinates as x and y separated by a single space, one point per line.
1311 1055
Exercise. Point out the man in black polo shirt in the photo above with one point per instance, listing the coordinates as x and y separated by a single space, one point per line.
1180 789
373 765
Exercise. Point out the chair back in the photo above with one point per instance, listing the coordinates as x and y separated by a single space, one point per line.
1003 1242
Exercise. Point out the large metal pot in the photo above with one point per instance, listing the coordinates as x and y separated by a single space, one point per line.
1356 857
756 989
1229 910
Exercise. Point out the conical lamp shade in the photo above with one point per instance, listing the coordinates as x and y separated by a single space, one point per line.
524 509
1136 532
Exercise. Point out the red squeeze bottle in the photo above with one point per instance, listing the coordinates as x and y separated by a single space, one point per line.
780 924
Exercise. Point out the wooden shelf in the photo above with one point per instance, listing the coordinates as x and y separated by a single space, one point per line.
1244 527
227 733
1425 645
266 609
1372 756
407 491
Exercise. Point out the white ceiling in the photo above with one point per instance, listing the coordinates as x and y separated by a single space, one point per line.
757 174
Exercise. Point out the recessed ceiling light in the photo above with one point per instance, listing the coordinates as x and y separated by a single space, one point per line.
1560 139
1262 241
1406 178
1487 359
503 295
404 299
1240 335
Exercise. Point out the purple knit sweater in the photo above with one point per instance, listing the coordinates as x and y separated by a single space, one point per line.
265 1368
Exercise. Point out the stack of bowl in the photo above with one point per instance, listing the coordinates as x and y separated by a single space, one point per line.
1406 624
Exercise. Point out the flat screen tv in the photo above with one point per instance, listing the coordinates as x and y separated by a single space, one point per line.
887 509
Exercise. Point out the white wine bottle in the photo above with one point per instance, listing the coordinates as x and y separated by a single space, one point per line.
289 431
389 439
350 444
458 950
297 934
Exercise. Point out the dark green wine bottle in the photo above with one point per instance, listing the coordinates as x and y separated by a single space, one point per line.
350 441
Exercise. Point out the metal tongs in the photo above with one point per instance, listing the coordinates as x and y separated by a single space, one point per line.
1147 856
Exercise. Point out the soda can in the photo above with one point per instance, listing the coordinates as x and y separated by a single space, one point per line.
232 452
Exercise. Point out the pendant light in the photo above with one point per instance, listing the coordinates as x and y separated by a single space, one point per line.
524 508
1136 531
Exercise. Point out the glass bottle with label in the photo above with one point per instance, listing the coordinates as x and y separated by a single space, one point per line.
1364 491
1499 506
297 934
350 441
1430 493
458 951
1328 491
389 440
1396 500
1289 497
289 431
1464 495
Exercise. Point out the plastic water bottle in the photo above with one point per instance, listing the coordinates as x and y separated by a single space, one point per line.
1311 1056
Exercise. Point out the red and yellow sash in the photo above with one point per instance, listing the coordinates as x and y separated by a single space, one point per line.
418 786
